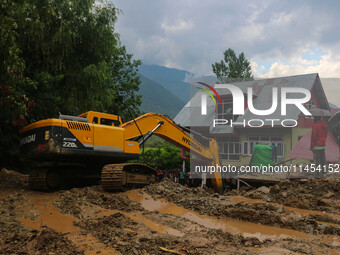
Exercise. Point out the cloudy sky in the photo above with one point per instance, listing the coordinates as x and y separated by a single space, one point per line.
279 38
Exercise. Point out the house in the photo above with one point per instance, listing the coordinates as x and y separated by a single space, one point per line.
237 142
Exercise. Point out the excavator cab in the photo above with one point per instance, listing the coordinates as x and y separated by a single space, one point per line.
102 118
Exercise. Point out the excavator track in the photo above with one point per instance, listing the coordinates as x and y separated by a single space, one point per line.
43 180
118 177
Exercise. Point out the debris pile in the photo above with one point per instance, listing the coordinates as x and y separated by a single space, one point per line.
12 179
72 201
47 241
311 194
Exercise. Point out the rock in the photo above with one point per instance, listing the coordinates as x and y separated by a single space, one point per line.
145 239
304 180
275 188
249 193
280 209
266 199
284 194
248 244
5 171
264 190
329 194
296 217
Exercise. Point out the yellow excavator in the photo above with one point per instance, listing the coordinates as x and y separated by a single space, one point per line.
94 143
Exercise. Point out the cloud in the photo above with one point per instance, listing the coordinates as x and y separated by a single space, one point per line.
177 26
279 37
327 67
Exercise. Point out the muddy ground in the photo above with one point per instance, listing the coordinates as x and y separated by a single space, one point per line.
291 217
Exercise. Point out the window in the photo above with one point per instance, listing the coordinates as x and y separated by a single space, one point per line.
230 148
310 105
109 122
95 120
276 141
225 111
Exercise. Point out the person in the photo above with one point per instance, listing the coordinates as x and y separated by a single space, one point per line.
204 180
166 173
181 177
336 132
171 175
318 141
160 175
177 174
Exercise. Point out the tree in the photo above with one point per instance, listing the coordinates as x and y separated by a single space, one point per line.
164 156
232 67
15 106
61 56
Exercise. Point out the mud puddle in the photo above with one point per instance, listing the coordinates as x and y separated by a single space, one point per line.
51 217
247 229
149 223
270 251
90 245
328 223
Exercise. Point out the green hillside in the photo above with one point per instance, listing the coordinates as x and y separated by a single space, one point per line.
158 99
169 78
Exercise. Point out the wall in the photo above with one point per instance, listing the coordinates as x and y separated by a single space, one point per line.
289 135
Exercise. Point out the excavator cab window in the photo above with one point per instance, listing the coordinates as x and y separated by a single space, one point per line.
109 122
95 120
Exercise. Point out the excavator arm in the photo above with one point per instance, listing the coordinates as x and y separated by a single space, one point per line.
158 124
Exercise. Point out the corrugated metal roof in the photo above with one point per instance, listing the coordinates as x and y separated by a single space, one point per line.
221 129
190 115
